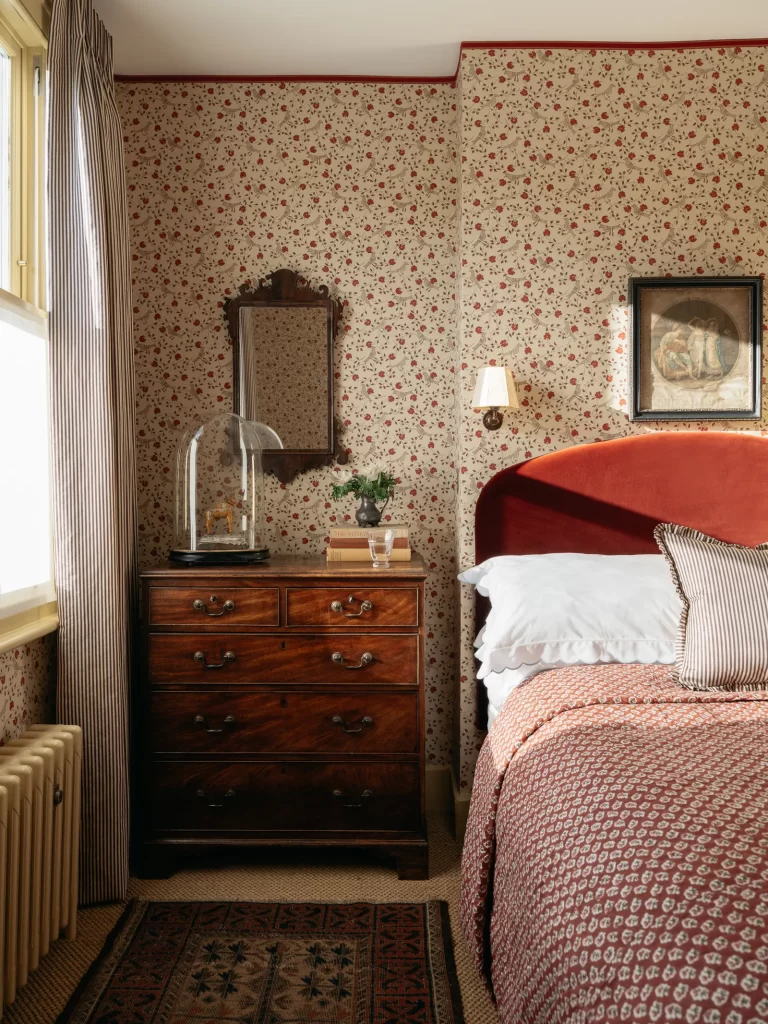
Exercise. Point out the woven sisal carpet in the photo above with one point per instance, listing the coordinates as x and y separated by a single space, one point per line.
285 963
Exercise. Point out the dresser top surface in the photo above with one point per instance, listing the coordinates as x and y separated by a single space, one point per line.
295 565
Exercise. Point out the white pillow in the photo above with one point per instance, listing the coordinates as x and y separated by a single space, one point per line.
568 609
499 685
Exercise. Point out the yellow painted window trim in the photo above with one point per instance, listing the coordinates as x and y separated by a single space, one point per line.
29 20
27 626
26 43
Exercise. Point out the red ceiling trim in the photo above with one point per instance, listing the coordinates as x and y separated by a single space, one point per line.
526 44
519 44
276 79
690 44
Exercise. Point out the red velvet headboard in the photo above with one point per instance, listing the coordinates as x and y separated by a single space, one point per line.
606 498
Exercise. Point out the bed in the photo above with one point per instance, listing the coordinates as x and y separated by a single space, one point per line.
616 858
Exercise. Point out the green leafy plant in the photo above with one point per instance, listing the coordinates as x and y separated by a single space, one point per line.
378 484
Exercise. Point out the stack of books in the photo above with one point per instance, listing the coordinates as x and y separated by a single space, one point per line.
350 543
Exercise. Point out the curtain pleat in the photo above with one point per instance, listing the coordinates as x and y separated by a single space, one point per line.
92 408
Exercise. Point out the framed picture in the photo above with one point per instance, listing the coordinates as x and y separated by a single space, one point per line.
695 346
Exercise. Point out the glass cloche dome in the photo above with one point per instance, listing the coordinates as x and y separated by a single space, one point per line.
219 499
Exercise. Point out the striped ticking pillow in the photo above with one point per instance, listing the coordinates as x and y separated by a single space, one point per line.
722 640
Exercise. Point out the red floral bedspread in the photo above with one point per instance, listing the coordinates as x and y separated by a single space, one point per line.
616 860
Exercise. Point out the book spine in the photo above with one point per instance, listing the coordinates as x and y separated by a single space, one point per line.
360 555
351 533
347 543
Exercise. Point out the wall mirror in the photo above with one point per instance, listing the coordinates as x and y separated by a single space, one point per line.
282 334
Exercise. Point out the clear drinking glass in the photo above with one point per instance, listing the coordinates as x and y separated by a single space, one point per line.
380 546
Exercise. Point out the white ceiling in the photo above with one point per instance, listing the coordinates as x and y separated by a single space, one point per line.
388 37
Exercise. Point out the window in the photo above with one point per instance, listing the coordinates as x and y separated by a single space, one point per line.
27 596
6 63
25 515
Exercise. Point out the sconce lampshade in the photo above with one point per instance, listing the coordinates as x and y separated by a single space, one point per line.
495 389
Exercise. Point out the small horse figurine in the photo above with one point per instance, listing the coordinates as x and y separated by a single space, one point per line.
223 510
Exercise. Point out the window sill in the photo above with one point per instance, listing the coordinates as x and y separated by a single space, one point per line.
25 633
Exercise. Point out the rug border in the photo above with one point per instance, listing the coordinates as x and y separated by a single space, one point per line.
97 962
139 905
457 1004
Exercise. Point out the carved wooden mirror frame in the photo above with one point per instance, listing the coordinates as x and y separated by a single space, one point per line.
286 288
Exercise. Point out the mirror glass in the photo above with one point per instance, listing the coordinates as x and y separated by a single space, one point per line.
284 373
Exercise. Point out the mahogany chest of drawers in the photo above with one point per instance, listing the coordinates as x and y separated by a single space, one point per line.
282 704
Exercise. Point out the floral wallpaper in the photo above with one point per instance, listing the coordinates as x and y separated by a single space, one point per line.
27 686
579 169
354 186
497 221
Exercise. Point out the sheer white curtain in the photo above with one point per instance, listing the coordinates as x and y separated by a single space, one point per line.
92 408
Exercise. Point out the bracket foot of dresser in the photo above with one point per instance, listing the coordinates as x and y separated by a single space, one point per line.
155 862
412 862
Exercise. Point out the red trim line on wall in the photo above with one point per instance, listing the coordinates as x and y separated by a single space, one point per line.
272 79
689 44
518 44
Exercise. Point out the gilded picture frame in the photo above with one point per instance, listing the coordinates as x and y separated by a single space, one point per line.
695 345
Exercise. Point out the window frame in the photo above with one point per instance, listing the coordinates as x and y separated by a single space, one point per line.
27 46
24 39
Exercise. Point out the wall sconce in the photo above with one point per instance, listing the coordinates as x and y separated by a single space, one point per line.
494 390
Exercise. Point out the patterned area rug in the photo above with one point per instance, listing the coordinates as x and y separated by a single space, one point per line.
273 963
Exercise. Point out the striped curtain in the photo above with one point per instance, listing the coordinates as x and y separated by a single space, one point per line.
92 406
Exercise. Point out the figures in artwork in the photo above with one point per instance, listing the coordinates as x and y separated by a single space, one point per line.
697 342
713 351
691 351
224 510
673 356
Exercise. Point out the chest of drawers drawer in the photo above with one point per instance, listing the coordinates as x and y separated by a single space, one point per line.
278 658
364 607
221 608
280 796
221 722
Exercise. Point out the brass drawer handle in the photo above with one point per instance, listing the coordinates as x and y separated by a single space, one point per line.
365 606
365 795
200 720
200 606
338 720
200 656
365 659
229 795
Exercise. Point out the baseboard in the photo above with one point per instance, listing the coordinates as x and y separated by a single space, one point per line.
444 795
460 810
438 789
